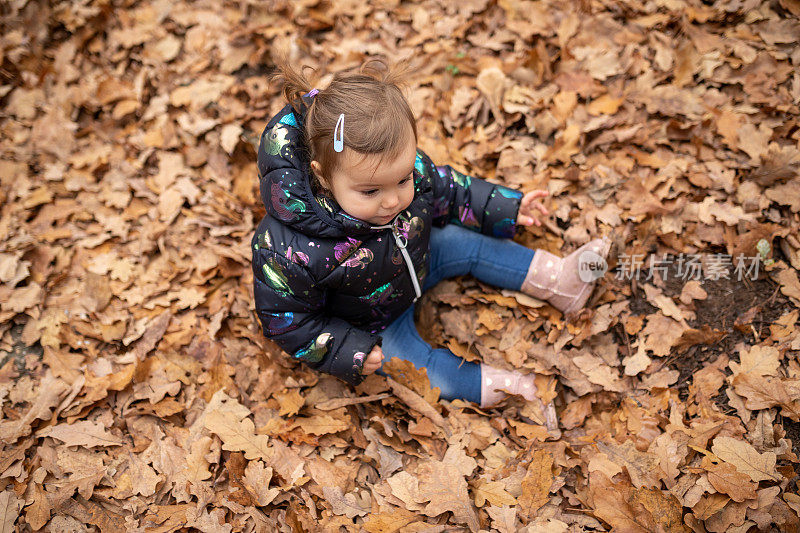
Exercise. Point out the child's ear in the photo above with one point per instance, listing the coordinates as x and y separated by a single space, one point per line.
317 170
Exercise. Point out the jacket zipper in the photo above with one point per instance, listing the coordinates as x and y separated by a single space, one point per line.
402 245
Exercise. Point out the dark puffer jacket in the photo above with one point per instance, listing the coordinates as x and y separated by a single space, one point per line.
327 283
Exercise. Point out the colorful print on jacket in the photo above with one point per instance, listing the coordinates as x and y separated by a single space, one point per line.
326 284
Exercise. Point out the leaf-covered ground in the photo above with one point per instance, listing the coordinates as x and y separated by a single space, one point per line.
137 392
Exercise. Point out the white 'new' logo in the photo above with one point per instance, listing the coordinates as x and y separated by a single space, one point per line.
591 266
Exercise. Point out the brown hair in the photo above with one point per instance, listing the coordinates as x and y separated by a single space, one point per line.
377 114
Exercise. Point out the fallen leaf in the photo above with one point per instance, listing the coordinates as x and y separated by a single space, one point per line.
758 466
758 360
238 435
52 390
727 479
495 493
641 466
9 510
536 484
82 433
446 490
350 504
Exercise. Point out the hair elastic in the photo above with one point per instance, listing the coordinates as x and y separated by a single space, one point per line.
311 93
338 143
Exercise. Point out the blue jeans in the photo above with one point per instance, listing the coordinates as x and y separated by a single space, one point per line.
456 251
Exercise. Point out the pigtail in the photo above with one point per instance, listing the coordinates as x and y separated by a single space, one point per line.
395 76
397 73
294 84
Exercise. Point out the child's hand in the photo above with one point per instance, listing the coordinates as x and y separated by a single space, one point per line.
525 216
373 361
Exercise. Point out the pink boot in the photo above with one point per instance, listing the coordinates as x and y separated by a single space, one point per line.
559 281
494 379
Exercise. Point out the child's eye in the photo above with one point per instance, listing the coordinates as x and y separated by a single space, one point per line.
406 180
371 192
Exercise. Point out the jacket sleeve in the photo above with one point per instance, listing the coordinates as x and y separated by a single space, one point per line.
471 202
290 306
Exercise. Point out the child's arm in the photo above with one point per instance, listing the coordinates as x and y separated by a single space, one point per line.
290 305
471 202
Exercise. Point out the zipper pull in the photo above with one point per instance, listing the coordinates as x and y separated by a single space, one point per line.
402 245
397 237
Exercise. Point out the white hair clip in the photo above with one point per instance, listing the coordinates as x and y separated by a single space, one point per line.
338 142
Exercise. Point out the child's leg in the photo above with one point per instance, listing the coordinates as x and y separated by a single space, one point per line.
498 262
455 377
456 251
564 282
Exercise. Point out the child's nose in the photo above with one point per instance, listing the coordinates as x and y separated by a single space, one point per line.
391 201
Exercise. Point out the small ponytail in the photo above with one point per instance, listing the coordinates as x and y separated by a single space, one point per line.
395 74
294 83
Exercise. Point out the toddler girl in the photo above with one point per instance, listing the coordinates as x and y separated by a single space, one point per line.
360 222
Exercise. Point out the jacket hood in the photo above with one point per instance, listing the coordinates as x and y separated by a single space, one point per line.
285 180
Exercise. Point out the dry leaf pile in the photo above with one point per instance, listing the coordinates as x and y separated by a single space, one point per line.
138 394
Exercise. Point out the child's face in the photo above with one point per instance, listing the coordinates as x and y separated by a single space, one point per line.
377 198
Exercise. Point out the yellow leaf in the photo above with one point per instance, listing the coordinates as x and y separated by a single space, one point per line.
529 431
495 493
321 424
790 285
82 433
125 107
9 509
446 488
606 104
290 401
663 507
641 466
537 482
746 459
759 360
726 479
753 141
238 435
390 521
490 319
